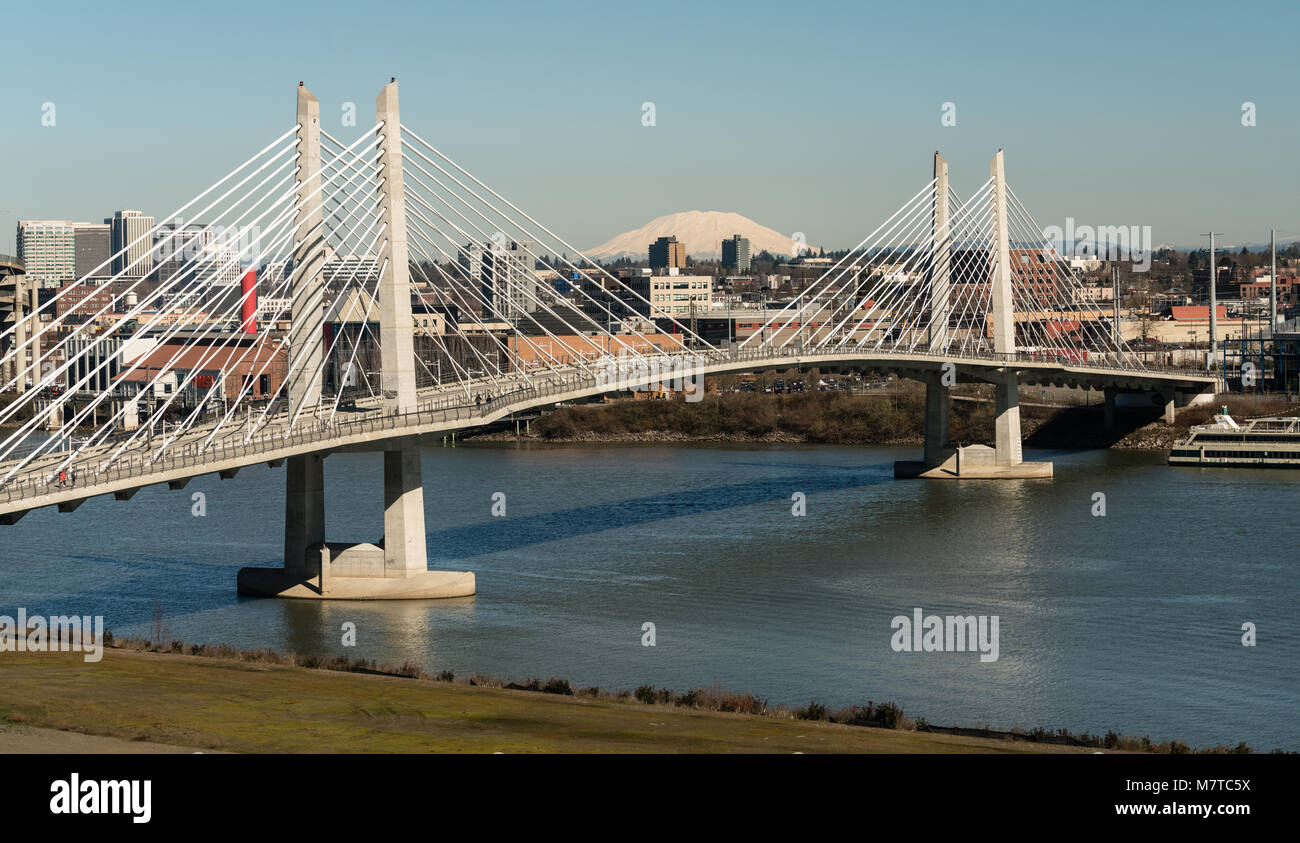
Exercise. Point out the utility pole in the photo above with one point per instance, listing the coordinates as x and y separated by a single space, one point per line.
1117 334
1272 299
1214 305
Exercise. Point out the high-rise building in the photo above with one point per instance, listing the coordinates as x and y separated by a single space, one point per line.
196 262
130 230
666 252
507 281
341 272
93 244
735 253
48 248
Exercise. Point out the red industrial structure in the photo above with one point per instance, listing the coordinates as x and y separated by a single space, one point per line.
248 311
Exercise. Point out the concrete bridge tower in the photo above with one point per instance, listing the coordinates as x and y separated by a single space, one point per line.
397 567
1004 460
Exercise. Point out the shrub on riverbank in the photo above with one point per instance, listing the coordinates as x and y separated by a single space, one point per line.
1239 407
884 716
824 418
818 417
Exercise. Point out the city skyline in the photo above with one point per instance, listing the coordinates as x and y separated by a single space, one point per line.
1116 127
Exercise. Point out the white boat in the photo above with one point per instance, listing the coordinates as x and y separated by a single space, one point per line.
1272 442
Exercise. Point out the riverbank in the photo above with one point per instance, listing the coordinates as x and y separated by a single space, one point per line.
237 706
167 699
832 418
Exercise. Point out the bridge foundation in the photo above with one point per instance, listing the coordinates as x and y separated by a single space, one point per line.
1003 461
395 568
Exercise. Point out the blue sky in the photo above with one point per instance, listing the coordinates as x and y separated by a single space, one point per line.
818 117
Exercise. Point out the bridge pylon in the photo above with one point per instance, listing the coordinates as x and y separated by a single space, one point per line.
940 259
397 566
1005 458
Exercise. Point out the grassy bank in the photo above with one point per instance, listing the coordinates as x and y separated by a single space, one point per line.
221 699
242 706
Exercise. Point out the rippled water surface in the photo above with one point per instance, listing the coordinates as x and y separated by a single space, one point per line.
1129 622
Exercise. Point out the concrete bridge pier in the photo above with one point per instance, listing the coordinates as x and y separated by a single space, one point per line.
394 568
304 511
1007 423
937 404
1167 401
404 549
1003 461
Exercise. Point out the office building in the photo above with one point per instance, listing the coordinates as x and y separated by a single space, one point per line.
735 253
666 252
48 248
93 248
130 231
507 281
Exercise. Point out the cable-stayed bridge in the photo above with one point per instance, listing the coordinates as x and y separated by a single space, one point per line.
377 295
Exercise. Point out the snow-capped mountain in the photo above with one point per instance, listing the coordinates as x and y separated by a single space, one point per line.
701 231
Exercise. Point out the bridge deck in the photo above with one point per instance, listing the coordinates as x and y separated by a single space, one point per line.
207 449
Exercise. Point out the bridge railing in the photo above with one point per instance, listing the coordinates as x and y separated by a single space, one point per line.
99 469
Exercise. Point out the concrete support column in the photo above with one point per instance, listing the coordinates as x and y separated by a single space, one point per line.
1167 398
1109 404
1007 423
936 419
940 258
1002 302
396 329
306 333
404 538
304 510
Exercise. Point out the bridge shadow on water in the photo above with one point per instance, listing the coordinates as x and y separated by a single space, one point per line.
506 534
125 588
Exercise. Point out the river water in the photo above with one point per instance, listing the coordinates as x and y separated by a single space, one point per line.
1130 621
